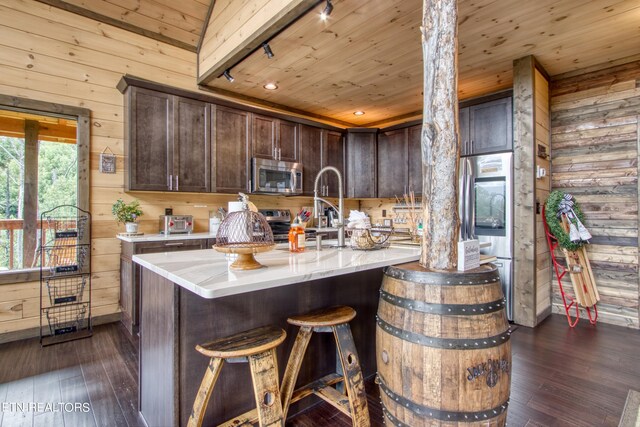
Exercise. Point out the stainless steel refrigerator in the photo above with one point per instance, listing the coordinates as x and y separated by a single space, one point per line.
486 200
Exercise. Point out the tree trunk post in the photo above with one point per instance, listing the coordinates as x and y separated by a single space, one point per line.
440 150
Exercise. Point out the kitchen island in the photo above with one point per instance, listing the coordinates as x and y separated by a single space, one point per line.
192 297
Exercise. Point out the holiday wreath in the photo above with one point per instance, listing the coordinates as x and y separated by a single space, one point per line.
559 204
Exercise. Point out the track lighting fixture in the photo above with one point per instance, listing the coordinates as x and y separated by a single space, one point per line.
267 50
327 11
228 76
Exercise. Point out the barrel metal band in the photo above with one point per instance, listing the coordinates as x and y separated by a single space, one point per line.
445 343
443 309
438 414
444 279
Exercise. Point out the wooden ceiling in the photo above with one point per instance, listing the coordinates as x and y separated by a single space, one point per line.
368 56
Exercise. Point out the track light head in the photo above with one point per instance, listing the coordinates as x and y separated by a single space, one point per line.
267 50
228 76
327 11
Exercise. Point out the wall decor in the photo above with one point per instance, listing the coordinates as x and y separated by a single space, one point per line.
107 161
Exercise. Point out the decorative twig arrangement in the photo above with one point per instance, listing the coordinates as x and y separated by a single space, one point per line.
413 214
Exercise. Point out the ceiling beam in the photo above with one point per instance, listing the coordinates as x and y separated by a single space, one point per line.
274 106
60 4
235 36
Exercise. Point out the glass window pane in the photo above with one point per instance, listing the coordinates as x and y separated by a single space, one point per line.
11 202
47 167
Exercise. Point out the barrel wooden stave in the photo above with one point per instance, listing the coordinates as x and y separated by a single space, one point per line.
437 377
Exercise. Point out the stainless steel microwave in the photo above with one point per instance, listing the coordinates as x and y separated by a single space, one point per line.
274 176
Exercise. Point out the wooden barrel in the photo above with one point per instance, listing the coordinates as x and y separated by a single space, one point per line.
443 349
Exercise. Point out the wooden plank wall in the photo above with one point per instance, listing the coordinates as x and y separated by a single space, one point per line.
594 145
543 185
51 55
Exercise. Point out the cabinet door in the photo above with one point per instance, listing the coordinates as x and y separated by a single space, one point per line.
414 157
463 141
263 141
333 155
310 156
361 164
392 163
490 126
150 138
288 141
191 158
230 152
128 298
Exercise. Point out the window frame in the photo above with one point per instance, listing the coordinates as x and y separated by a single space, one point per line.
83 119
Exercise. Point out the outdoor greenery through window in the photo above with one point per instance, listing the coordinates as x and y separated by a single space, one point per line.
38 171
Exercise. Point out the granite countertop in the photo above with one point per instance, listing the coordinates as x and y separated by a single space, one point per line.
206 273
162 237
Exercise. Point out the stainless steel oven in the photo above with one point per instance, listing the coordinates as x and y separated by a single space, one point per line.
273 176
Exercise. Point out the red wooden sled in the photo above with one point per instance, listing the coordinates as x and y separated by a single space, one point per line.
568 301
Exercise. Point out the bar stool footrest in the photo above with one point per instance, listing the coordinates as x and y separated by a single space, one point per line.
334 398
314 386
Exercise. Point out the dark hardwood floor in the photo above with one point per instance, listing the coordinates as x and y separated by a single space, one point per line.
561 377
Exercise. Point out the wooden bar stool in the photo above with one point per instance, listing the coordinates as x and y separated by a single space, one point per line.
336 320
256 347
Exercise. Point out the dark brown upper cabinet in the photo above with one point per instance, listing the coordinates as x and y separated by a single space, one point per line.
414 155
320 148
287 141
167 142
231 133
361 163
274 138
393 173
489 126
149 139
310 157
463 126
332 155
191 145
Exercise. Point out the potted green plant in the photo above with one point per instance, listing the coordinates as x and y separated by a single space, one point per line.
127 213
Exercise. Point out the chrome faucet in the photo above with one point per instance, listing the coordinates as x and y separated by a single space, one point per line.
317 203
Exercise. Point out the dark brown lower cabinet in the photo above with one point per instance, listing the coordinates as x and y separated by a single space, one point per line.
130 273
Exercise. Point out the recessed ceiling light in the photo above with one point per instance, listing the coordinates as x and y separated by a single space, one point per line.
270 86
358 113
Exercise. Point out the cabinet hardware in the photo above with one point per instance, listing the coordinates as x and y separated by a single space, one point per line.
174 244
170 182
177 183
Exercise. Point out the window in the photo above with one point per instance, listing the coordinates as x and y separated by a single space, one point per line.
43 158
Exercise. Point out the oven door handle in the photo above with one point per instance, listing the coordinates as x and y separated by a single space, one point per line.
294 181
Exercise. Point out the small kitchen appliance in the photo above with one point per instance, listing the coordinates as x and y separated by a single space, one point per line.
274 176
176 224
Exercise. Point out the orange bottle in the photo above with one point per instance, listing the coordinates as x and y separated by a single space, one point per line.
296 237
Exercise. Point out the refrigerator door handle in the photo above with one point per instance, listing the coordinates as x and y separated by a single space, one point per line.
471 206
462 192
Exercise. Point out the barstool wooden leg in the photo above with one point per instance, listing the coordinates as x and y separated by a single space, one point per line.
293 366
204 393
354 382
264 373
